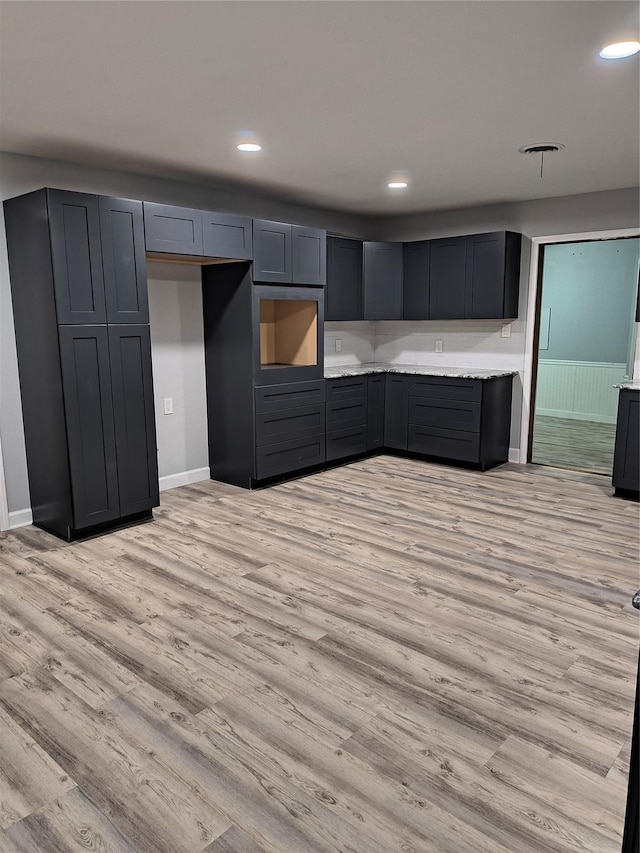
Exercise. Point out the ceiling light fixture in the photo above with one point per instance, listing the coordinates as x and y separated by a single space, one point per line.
249 146
397 185
620 50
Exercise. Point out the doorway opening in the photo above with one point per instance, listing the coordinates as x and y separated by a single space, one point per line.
584 344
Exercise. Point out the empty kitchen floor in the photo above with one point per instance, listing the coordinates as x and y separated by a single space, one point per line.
579 445
387 656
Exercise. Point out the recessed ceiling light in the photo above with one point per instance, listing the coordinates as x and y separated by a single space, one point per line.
249 146
620 49
397 185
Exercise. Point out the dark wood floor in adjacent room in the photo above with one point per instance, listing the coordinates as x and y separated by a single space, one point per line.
387 656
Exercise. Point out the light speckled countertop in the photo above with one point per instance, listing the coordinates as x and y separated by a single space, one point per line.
343 370
628 386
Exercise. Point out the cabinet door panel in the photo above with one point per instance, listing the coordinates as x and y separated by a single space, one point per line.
626 462
382 281
396 404
84 355
343 294
132 383
447 279
76 257
449 414
375 414
485 269
286 456
175 230
446 443
349 441
346 388
346 413
284 424
271 252
124 263
415 280
226 236
272 398
309 255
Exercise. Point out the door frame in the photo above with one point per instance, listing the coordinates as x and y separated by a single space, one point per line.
4 508
533 320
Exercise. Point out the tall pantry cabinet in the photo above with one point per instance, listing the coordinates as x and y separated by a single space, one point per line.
78 283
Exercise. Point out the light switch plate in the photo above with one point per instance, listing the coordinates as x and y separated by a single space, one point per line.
438 346
338 345
167 405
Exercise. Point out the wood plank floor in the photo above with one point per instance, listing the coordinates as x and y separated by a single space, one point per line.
578 445
387 656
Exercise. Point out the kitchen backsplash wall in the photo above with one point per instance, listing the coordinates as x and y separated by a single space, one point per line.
357 339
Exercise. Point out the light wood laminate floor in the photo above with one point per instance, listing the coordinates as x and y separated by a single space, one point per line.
387 656
578 445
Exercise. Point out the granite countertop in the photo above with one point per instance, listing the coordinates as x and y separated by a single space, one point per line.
627 386
343 370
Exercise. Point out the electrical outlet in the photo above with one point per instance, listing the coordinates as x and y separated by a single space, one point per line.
506 330
338 345
438 346
167 404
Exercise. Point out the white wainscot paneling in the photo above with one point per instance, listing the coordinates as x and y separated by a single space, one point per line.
582 390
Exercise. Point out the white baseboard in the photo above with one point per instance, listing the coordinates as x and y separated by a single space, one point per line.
184 478
514 454
20 518
577 416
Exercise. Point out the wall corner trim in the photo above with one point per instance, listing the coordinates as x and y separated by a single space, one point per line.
184 478
514 455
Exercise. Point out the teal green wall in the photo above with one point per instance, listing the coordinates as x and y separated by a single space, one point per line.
591 291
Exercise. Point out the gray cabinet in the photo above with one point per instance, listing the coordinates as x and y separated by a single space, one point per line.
492 276
382 281
375 411
123 260
626 461
309 255
343 293
172 230
396 404
347 413
227 236
288 254
415 280
447 278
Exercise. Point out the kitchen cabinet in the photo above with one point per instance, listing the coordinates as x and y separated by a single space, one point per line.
76 263
415 280
227 236
382 281
396 410
172 230
343 293
626 460
375 411
347 413
492 276
288 254
447 278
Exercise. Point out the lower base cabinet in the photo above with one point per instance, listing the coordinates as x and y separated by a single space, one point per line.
626 460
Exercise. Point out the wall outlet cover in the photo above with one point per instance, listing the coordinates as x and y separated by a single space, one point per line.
338 345
167 405
506 330
438 346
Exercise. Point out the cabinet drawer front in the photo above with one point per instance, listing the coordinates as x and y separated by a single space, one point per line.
283 424
447 443
447 388
346 442
286 456
226 236
346 389
346 413
177 230
271 398
450 414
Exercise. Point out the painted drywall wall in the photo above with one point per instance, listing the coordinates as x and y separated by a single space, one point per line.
177 352
589 290
357 342
20 174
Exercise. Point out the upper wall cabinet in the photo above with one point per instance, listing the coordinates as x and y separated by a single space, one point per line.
200 233
76 256
415 280
382 281
343 294
288 254
174 230
492 276
123 260
447 265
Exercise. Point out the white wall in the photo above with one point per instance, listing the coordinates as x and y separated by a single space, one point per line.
177 348
357 340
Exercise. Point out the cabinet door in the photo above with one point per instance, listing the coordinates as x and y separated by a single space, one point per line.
375 414
172 230
415 280
225 236
123 260
485 267
447 278
395 412
84 357
343 294
626 461
133 414
76 256
272 252
382 281
309 255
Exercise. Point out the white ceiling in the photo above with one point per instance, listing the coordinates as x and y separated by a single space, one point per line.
341 93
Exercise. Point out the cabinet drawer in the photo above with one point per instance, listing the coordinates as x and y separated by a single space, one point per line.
346 442
346 389
346 413
446 388
447 443
271 398
286 456
283 424
450 414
